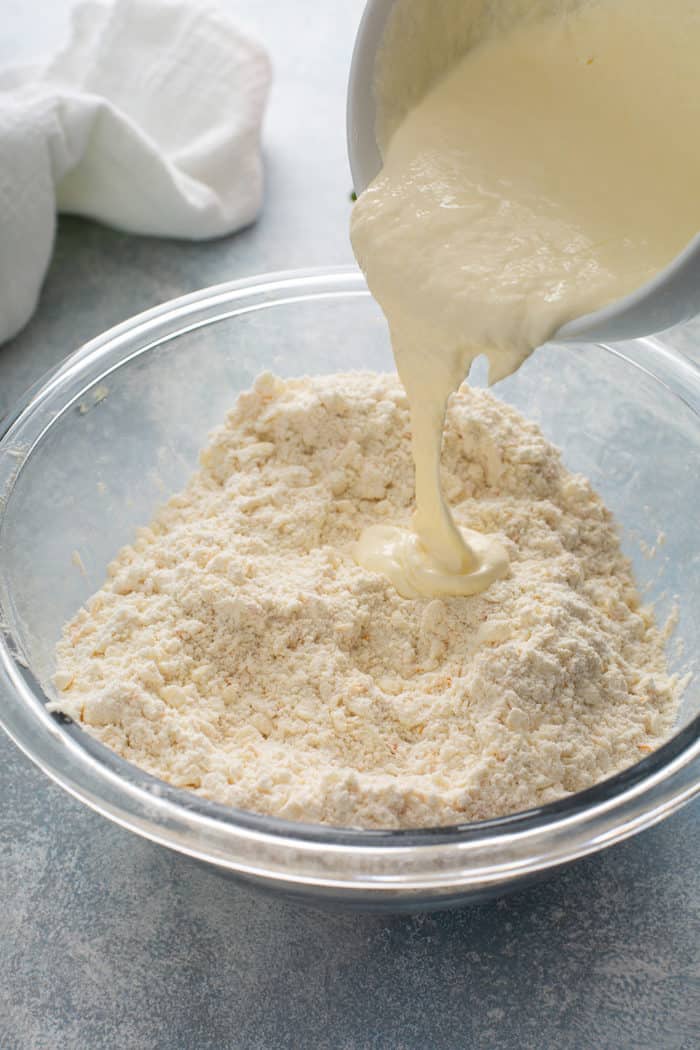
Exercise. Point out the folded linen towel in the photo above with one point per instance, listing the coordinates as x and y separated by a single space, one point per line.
148 120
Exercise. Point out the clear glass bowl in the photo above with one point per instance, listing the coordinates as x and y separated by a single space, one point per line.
106 437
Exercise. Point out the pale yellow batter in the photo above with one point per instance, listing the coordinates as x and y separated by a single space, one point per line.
554 170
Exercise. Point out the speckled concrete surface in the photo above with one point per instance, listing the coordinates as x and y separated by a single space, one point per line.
108 941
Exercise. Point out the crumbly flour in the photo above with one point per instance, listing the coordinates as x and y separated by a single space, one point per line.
238 650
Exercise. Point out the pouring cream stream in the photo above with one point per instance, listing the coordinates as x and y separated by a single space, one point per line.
555 169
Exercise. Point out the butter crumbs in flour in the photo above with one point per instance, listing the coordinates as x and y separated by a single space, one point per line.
238 650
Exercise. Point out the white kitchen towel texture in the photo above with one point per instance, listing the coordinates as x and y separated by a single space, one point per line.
148 120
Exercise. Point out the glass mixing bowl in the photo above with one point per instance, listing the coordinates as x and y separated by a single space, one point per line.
107 436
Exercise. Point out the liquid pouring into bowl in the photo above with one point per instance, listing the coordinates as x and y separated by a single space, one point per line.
527 193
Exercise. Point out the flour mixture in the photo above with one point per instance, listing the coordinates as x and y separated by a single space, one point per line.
238 649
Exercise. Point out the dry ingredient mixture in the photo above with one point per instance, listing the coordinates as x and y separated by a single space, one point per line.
237 649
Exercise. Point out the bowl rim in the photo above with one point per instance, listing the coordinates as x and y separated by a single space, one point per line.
440 859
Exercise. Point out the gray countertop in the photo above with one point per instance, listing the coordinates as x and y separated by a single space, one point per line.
109 941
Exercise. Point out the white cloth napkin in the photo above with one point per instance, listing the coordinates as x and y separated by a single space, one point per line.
148 120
